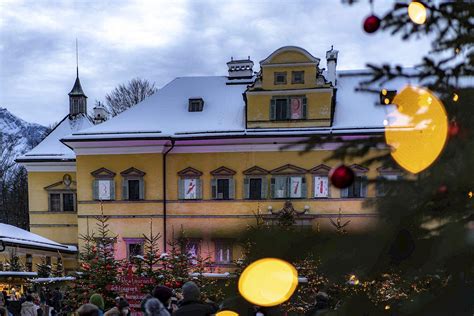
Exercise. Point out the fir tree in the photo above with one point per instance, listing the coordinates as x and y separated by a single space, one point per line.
44 269
58 268
14 263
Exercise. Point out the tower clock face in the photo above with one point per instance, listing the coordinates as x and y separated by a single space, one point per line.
104 190
321 188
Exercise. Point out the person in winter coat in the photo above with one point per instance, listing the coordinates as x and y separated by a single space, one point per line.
28 308
3 311
98 301
153 307
191 304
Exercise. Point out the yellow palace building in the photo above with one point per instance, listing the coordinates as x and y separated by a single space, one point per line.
205 153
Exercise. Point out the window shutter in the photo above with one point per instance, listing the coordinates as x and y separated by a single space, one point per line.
112 189
379 186
231 189
264 188
142 189
288 108
124 189
199 189
246 188
95 189
272 109
272 188
345 192
363 186
305 108
180 189
303 188
214 188
288 186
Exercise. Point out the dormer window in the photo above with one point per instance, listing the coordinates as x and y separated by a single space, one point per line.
279 78
196 104
297 77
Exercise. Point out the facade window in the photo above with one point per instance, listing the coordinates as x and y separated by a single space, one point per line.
223 251
135 247
68 202
62 202
288 182
358 188
297 77
189 184
320 175
29 262
385 180
195 105
62 195
255 183
55 202
48 260
103 185
222 185
288 108
133 184
279 78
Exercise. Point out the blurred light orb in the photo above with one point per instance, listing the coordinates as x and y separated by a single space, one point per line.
417 128
268 282
227 313
353 280
384 91
417 12
455 97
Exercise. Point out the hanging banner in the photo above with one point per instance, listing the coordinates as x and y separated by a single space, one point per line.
190 189
295 188
296 108
321 187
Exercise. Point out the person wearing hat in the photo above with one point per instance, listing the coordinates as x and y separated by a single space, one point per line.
97 300
154 307
191 304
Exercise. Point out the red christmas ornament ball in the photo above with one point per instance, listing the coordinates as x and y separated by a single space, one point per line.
453 129
371 23
341 177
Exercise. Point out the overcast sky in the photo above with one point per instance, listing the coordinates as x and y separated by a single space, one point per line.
161 40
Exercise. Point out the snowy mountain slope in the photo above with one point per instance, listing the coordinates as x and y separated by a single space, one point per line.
17 136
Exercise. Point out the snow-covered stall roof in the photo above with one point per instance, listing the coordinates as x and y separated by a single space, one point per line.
51 148
13 235
165 114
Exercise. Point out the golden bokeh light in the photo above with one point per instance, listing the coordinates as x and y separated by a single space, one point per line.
455 97
268 282
387 307
417 129
470 194
227 313
384 91
417 12
386 100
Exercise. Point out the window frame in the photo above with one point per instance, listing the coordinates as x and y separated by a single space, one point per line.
103 174
61 201
288 98
223 244
276 74
188 174
133 174
195 105
321 170
288 171
383 177
134 241
223 173
294 73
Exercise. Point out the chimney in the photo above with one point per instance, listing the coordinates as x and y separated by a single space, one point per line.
331 58
100 113
240 69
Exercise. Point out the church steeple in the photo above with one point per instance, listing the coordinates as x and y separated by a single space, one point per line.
77 97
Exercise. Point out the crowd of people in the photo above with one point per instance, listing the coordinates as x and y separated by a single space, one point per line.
162 301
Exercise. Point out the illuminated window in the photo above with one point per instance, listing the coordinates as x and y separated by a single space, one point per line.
223 250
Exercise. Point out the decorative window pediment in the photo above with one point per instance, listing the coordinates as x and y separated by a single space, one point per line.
255 171
132 172
103 173
61 186
358 169
189 172
223 172
288 169
321 169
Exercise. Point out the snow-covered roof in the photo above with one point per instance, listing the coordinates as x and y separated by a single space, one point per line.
165 113
16 236
51 148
